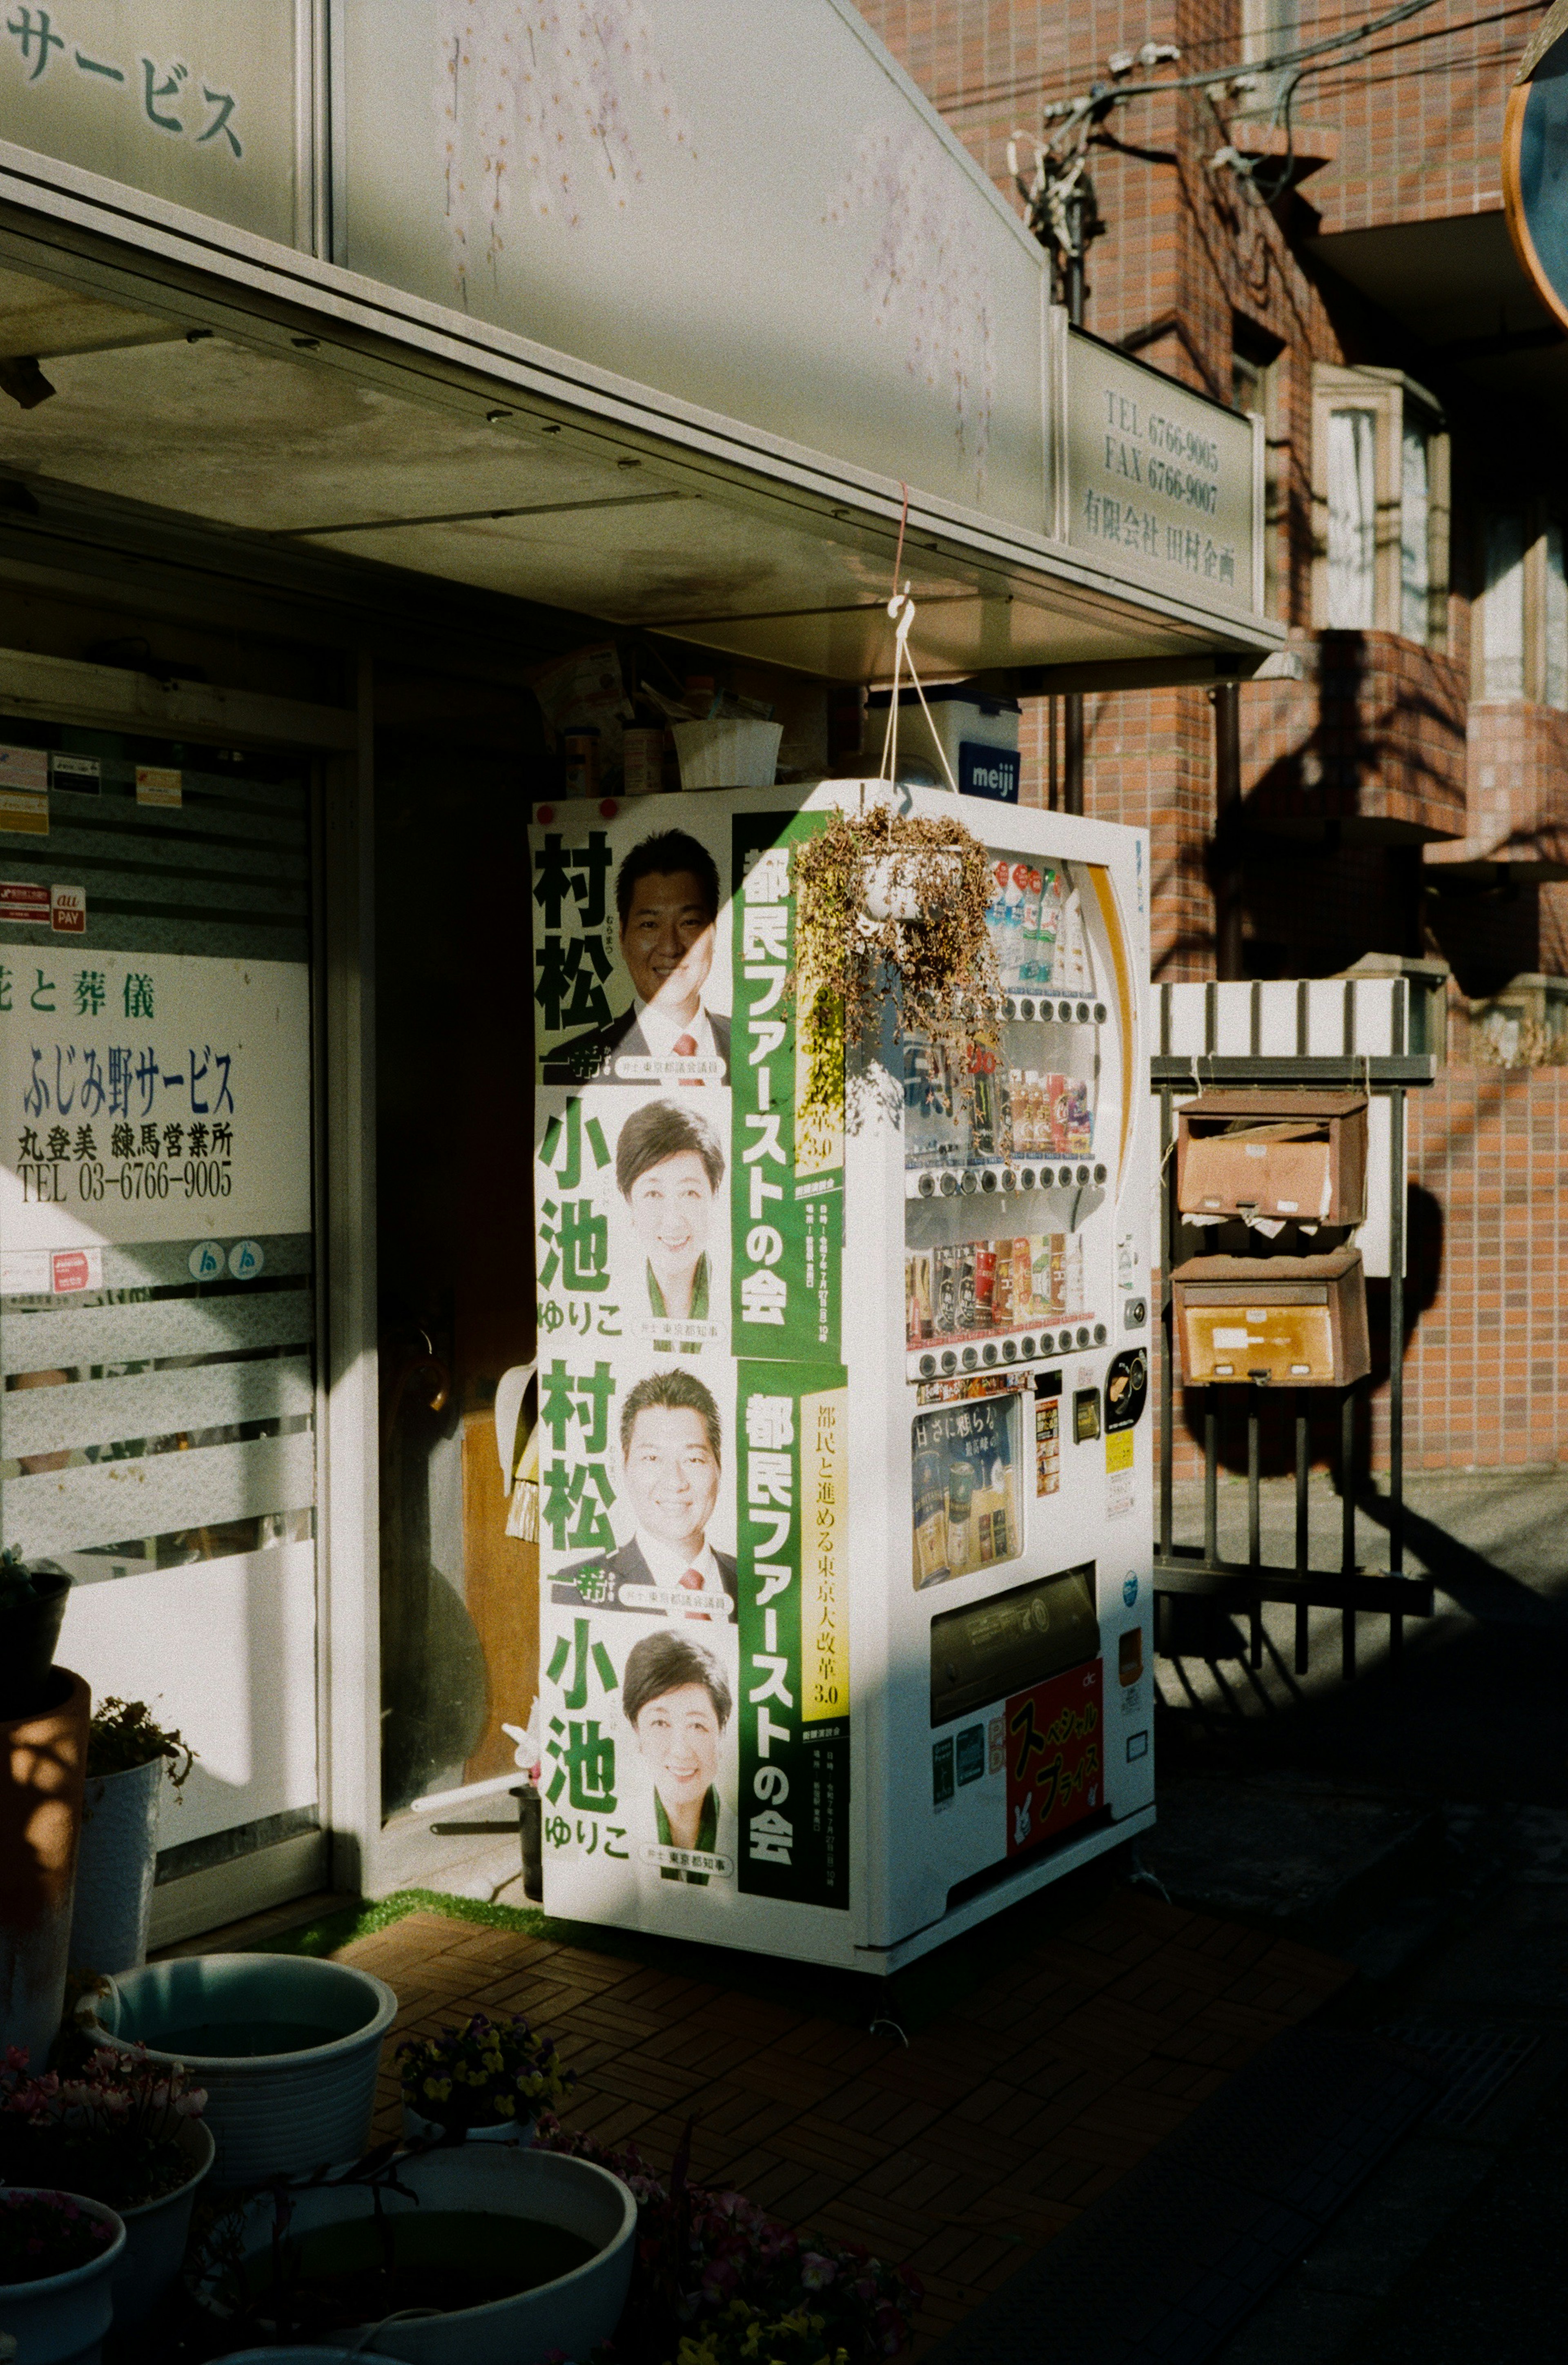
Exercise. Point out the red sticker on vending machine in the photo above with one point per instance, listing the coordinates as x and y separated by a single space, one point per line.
1054 1763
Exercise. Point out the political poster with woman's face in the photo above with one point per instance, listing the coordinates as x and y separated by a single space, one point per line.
680 1773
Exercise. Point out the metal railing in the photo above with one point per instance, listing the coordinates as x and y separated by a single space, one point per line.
1278 1036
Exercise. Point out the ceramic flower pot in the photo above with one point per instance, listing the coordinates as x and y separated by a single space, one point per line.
43 1759
570 2314
114 1868
417 2128
28 1633
61 2319
156 2233
286 2048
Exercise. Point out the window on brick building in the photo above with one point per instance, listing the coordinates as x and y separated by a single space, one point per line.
1380 471
1255 354
1556 683
1521 640
1415 531
1352 520
1503 606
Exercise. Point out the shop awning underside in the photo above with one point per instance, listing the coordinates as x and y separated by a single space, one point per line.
321 418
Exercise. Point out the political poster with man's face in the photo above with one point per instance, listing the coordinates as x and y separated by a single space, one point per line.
693 1624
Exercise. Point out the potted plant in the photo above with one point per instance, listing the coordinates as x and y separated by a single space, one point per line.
128 1753
57 2251
32 1608
893 900
124 2132
473 2255
287 2046
487 2082
43 1746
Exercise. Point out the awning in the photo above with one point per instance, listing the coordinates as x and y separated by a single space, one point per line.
1065 505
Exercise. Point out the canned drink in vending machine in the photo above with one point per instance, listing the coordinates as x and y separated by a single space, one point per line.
945 1280
985 1283
1002 1313
969 1313
920 1318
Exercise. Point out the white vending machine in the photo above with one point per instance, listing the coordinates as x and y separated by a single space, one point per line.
846 1440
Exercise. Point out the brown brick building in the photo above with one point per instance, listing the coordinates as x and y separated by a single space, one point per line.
1324 241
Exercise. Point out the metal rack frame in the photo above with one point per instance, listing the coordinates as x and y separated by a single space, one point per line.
1186 1570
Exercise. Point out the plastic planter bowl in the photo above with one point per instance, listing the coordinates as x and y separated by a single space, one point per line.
61 2320
417 2128
572 2314
280 2112
156 2233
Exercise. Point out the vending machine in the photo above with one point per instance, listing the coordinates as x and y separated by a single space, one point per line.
845 1446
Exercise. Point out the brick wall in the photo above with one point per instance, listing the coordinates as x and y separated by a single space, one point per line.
1420 124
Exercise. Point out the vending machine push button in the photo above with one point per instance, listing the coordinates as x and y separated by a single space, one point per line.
1098 1174
927 1366
1064 1012
1083 1334
1025 1008
968 1181
1028 1346
1100 1334
949 1185
928 1186
1046 1345
988 1354
949 1361
970 1359
1008 1351
1009 1179
988 1178
1082 1013
1100 1013
1025 1177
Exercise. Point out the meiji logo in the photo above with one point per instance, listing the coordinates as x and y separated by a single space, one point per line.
68 911
988 772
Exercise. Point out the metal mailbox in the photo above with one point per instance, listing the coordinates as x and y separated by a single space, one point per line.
1278 1155
1297 1321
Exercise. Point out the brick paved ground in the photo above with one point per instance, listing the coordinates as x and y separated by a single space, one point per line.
958 2153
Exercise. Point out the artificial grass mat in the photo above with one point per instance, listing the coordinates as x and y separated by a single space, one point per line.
922 1991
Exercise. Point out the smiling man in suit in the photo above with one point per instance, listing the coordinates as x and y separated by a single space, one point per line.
671 1447
667 901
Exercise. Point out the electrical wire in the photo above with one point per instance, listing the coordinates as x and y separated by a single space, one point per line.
1002 94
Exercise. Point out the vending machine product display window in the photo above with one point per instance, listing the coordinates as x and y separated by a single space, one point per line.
784 1296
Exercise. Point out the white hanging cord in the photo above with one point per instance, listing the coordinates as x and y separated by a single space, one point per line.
900 607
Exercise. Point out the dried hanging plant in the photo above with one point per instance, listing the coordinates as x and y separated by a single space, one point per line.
888 897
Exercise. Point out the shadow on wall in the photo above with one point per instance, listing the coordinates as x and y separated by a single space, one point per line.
434 1689
1276 1438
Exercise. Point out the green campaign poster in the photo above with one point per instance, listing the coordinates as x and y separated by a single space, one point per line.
787 1169
792 1505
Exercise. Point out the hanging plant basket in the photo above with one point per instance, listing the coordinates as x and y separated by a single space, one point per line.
895 900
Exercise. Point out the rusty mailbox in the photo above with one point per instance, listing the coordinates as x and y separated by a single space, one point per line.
1287 1321
1300 1155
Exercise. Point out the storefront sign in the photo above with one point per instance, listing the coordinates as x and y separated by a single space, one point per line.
150 1096
1157 482
193 103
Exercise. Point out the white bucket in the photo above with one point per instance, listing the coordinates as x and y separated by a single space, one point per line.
114 1866
732 753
